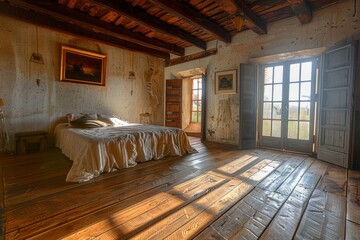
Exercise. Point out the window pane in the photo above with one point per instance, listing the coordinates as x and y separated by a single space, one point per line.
268 72
267 110
305 91
278 74
292 129
277 92
276 111
196 103
199 117
304 130
199 95
294 91
195 95
294 72
306 71
268 93
194 117
276 128
195 83
305 111
266 128
194 106
293 111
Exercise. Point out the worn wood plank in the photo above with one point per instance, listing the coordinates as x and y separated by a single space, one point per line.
254 213
277 177
353 197
294 178
201 221
352 231
85 201
182 214
2 204
210 234
284 224
324 217
204 219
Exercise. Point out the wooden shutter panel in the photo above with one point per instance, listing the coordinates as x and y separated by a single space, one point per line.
248 106
336 104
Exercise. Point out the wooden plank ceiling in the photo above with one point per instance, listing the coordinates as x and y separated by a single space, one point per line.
158 27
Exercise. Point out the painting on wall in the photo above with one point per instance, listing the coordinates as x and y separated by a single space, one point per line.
82 66
225 82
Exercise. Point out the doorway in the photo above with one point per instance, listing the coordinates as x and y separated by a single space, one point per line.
287 105
195 96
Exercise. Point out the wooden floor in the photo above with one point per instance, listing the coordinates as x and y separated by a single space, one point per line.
218 193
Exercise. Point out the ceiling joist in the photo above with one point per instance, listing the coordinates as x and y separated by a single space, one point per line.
85 21
182 11
302 10
140 16
46 21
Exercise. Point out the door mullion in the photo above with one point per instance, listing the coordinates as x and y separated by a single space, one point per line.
285 103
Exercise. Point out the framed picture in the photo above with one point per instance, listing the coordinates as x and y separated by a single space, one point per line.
82 67
225 82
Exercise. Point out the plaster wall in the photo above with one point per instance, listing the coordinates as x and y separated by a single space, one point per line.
37 100
331 25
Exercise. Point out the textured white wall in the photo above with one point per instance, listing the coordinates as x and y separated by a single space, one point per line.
39 107
331 25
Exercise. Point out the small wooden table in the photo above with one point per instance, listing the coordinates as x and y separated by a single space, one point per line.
27 142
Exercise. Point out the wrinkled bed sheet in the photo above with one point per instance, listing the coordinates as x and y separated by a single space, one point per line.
97 150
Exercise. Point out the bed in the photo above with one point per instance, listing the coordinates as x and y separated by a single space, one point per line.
98 147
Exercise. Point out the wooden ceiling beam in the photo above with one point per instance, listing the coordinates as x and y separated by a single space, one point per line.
183 11
83 20
136 14
252 21
191 57
302 10
47 22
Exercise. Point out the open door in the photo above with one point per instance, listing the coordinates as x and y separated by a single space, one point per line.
173 107
336 104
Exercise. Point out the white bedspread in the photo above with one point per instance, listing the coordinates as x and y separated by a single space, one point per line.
97 150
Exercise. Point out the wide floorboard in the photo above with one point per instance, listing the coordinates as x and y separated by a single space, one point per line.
219 192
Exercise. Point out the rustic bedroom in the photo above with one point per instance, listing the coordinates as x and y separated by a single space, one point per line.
179 119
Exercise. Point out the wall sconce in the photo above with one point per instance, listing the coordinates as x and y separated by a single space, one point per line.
4 138
239 21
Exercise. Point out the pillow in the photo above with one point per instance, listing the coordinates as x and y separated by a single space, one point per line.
112 120
88 121
72 116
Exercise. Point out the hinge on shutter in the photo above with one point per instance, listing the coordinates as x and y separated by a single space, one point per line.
316 97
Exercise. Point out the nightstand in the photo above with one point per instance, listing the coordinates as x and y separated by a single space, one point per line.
28 142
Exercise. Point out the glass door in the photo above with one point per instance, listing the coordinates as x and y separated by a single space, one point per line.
287 114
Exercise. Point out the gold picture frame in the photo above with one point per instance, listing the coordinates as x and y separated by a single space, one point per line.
81 66
226 82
